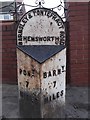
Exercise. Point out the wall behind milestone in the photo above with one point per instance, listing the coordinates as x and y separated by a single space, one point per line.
9 66
78 46
78 43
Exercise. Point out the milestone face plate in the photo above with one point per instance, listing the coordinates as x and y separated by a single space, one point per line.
41 26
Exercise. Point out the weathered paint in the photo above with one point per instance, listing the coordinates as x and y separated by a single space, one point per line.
53 85
41 26
29 86
44 89
41 56
28 71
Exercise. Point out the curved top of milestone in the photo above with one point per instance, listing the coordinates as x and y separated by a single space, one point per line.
41 26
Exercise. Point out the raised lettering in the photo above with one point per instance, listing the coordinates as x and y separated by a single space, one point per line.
59 71
48 38
33 72
57 40
57 20
34 12
63 68
29 15
24 72
61 93
57 94
62 34
62 42
54 72
21 26
49 14
62 26
54 17
20 31
42 12
49 74
45 12
54 84
27 83
25 38
40 38
20 71
20 39
45 75
32 39
36 39
44 38
26 18
24 21
54 97
52 38
38 13
20 35
59 23
20 43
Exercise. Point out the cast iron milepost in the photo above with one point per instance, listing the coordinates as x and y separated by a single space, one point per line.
41 59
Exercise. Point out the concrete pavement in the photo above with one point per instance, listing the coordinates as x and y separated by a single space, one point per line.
77 102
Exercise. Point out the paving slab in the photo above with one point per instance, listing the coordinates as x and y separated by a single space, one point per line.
77 102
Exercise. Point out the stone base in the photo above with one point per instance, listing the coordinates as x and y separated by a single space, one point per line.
31 106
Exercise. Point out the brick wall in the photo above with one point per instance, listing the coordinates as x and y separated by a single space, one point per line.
78 43
9 72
